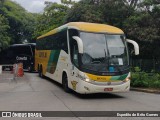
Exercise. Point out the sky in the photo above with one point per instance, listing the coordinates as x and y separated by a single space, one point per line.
35 6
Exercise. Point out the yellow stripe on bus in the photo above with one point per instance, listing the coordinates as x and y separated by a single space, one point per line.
99 78
87 27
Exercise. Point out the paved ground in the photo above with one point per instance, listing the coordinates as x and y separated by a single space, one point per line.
35 94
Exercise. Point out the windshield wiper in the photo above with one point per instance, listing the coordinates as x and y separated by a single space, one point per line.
96 62
119 69
106 57
109 58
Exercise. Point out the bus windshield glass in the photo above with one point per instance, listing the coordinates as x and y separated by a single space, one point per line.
103 50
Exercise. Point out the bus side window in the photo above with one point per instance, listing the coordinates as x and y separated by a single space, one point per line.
73 46
63 41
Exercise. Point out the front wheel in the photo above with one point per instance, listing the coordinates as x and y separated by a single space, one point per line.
65 83
30 69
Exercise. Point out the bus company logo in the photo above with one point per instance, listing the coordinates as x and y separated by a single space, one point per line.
74 83
43 54
21 114
21 58
6 114
63 58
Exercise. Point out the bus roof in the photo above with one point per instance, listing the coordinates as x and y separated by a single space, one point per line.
87 27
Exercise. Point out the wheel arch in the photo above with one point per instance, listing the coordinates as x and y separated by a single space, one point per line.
64 73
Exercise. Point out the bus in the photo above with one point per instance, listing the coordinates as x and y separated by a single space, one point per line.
19 53
85 57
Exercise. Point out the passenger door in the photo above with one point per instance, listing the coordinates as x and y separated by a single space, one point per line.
73 65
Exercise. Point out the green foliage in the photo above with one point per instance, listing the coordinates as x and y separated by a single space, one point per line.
102 11
20 21
52 17
140 20
4 26
142 79
67 2
137 69
143 26
84 12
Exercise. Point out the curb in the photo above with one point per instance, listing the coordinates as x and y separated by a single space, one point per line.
147 90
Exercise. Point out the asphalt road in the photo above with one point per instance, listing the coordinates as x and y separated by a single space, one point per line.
32 93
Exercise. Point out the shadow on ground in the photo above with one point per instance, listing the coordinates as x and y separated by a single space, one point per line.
86 96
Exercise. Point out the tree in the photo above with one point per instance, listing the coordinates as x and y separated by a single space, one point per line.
4 26
139 19
144 27
21 22
68 2
52 17
85 11
112 12
2 1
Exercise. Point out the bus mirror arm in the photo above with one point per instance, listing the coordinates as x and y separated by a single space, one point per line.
136 46
80 43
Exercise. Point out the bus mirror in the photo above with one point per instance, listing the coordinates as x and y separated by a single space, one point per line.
80 43
136 46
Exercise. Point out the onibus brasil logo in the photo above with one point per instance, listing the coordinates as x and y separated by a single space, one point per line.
21 114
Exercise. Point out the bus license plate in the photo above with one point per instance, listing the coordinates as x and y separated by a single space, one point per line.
108 89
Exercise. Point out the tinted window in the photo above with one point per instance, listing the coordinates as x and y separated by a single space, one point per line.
20 50
57 41
73 46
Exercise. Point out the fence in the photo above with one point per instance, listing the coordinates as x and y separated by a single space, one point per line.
146 65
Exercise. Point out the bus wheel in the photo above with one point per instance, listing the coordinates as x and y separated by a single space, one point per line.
65 83
40 71
29 69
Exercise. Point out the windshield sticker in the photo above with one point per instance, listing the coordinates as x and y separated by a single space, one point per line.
111 69
120 61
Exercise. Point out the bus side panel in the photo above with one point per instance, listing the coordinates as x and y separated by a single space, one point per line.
36 60
53 62
42 58
57 66
56 62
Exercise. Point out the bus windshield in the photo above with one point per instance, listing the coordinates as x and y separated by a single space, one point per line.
103 50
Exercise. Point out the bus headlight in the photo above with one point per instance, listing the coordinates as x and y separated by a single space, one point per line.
127 79
84 78
87 80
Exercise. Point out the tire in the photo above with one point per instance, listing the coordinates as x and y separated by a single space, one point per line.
30 69
65 83
40 71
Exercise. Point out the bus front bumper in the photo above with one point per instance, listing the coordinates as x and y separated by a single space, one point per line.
88 88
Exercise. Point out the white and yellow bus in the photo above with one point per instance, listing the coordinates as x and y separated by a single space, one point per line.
85 57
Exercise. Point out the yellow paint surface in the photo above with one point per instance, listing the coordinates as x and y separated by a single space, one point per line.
99 78
88 27
43 60
94 27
